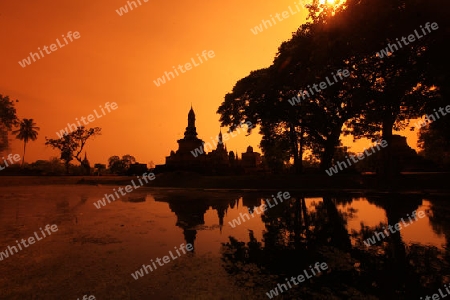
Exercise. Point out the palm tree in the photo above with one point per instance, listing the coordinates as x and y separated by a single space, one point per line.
26 132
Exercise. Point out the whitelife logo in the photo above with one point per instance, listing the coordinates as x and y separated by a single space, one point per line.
436 296
397 226
220 139
280 17
161 80
166 259
428 118
318 266
237 221
124 9
31 241
128 189
334 169
27 61
411 38
323 85
10 158
72 127
85 297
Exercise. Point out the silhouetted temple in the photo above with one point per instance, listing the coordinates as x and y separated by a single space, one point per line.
191 155
191 214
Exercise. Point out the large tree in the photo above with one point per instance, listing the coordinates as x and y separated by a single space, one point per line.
71 145
379 96
8 119
27 131
400 85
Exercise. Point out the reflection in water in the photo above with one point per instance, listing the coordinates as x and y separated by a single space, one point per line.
260 253
302 231
189 217
190 213
297 235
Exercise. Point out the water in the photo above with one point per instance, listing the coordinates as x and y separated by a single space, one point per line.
95 251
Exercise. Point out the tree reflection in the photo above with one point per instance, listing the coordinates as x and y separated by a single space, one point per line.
296 238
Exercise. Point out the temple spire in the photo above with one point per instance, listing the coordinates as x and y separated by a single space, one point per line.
191 131
220 140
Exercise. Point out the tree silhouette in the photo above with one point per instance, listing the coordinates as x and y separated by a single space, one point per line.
434 142
27 131
8 119
119 165
71 145
379 96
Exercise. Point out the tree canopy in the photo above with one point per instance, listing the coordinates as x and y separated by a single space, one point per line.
8 119
71 145
381 94
28 131
119 165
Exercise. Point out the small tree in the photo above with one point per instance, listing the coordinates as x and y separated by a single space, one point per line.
27 131
128 160
120 166
99 168
71 145
115 165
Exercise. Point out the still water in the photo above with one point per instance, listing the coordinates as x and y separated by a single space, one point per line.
96 251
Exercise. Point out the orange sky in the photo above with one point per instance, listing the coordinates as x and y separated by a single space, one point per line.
117 58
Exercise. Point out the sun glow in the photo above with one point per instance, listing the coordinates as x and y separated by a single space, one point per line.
327 1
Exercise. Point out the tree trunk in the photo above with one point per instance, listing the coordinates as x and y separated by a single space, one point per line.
330 148
300 152
305 218
66 163
339 236
294 145
387 171
23 157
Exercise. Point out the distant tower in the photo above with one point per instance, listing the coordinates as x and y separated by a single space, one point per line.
86 165
85 160
190 155
191 131
220 145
